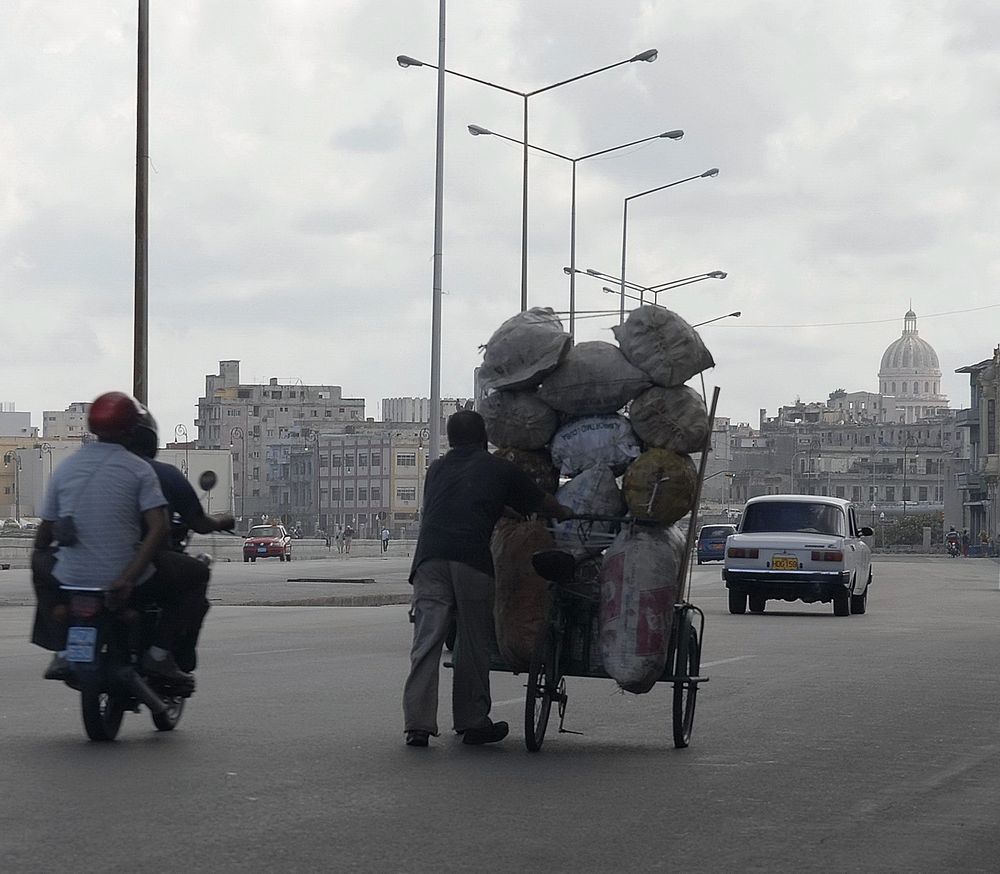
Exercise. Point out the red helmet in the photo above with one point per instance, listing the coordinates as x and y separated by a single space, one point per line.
114 415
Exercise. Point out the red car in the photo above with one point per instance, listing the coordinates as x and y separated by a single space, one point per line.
267 541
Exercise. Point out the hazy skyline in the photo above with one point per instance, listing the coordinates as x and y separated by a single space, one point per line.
291 188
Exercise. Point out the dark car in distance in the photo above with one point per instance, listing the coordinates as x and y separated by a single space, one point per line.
712 542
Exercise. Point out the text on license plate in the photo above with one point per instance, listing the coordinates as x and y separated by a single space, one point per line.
262 549
785 563
81 643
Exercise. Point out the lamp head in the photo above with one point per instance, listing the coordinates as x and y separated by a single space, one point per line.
649 56
713 172
478 131
718 274
407 61
567 270
593 272
672 134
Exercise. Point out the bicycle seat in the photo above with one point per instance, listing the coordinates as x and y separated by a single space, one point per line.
555 565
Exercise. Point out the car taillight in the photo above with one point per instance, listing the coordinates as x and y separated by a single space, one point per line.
742 552
84 606
829 555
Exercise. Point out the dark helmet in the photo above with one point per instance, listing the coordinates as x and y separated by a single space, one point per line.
113 415
145 437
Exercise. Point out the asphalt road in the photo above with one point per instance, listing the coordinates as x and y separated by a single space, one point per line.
864 743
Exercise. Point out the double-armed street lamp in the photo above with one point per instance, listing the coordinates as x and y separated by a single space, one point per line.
477 131
235 434
12 458
406 61
714 171
652 289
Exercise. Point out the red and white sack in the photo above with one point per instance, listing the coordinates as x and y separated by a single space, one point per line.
639 583
593 491
592 441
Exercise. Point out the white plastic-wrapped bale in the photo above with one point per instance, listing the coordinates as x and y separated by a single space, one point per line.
639 584
523 350
593 378
594 440
660 486
664 346
519 419
593 491
536 463
521 603
670 418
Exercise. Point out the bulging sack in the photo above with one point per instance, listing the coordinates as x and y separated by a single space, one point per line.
521 605
536 463
593 378
661 344
639 583
594 440
593 491
523 350
519 419
660 485
670 418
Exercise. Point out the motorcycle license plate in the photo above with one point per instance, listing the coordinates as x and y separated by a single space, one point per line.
81 644
785 563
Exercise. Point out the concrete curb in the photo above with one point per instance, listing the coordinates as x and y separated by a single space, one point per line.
373 600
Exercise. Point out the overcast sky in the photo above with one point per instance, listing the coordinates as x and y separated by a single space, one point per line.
291 188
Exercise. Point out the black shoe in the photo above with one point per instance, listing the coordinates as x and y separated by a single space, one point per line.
488 734
417 738
165 668
59 669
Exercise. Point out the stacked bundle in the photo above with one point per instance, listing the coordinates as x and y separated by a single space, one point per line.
555 409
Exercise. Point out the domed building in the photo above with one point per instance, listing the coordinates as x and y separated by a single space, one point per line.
910 376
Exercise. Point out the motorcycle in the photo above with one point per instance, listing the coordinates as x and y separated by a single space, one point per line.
953 548
104 647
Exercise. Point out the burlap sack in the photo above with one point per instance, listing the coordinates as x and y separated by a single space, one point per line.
536 463
593 378
670 418
519 419
660 485
660 343
523 350
522 601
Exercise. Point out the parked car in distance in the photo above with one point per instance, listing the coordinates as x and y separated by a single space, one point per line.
798 548
267 541
711 545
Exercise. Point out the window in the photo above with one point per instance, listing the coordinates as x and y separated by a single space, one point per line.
376 459
362 459
243 393
840 491
335 494
335 460
406 459
349 494
362 494
376 494
855 493
349 462
890 493
406 493
907 493
314 413
991 427
922 493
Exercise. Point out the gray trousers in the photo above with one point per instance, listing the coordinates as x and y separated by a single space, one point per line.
442 589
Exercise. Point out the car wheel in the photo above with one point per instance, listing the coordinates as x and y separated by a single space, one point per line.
757 603
859 603
841 603
254 559
288 556
246 558
699 559
737 602
281 556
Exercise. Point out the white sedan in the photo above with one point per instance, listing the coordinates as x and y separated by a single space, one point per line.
798 548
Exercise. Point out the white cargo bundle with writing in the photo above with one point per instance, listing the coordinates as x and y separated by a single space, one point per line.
594 440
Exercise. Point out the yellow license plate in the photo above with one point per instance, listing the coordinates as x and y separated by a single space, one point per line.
785 563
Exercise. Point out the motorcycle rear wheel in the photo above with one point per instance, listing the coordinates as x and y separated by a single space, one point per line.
102 714
167 721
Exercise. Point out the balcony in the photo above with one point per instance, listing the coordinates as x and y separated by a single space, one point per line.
971 481
968 418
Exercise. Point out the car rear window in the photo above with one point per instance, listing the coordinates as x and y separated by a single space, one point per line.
265 532
717 531
794 516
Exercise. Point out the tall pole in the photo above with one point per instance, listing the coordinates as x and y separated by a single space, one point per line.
621 314
572 258
435 423
524 214
140 372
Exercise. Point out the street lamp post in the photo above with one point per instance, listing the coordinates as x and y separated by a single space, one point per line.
13 458
906 447
406 61
181 434
313 437
235 434
714 171
476 131
651 289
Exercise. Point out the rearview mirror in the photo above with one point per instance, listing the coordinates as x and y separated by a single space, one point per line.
207 480
867 531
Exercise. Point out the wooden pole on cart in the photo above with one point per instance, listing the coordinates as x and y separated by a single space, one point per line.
683 583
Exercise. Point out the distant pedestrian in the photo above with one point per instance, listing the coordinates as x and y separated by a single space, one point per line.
385 540
339 538
348 537
965 542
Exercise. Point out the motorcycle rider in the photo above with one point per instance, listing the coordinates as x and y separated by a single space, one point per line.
104 519
952 541
186 514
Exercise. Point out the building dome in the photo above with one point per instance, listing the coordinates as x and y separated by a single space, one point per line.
910 354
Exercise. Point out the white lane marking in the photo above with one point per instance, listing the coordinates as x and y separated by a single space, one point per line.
509 701
726 661
272 651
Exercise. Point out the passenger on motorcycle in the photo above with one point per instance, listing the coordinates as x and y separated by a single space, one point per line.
104 519
186 514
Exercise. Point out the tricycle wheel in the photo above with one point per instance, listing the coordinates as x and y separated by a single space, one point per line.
543 687
686 665
102 714
168 719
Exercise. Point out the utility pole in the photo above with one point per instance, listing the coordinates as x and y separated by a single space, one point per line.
140 361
